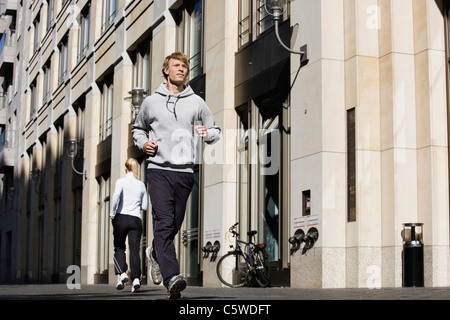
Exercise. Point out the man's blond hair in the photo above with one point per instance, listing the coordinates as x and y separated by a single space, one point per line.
177 56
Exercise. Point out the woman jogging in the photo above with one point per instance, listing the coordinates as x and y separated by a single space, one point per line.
130 197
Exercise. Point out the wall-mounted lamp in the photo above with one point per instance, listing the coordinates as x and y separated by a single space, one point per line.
309 239
207 249
72 150
296 240
137 97
211 248
276 8
11 193
35 174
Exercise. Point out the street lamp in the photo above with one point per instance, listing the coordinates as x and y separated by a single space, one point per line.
72 150
137 97
276 8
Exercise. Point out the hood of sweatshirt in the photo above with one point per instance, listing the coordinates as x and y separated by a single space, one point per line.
172 99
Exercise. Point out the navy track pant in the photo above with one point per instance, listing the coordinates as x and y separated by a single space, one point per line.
169 192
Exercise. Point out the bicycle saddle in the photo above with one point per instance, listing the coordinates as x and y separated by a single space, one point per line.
252 233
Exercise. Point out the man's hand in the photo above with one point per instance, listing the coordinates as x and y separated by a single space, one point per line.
201 131
150 147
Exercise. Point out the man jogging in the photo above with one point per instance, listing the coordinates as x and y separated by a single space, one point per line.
165 129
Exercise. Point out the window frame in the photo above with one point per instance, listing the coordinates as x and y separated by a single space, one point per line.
106 108
83 34
36 36
33 98
109 12
63 60
50 13
184 34
46 83
242 30
351 165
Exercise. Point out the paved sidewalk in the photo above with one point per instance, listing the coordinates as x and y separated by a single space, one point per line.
104 301
151 292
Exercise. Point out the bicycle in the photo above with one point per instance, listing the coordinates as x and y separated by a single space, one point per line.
238 267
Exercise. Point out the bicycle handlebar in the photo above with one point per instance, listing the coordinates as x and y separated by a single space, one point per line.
232 229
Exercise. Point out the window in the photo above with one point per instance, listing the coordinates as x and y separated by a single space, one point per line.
63 58
243 170
50 12
18 25
141 66
30 183
244 22
103 225
2 138
264 19
46 83
269 184
59 148
42 179
7 137
33 94
189 19
83 34
106 105
351 166
195 40
108 13
80 124
36 41
16 74
261 189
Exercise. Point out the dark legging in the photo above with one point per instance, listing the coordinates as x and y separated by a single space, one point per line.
126 225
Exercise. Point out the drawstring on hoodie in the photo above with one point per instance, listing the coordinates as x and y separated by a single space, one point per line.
174 111
163 91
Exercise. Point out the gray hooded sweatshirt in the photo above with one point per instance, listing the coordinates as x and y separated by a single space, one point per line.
169 120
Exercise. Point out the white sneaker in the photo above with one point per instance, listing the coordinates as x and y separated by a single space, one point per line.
123 278
136 285
155 271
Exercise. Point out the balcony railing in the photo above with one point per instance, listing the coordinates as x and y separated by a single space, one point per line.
195 64
82 53
109 21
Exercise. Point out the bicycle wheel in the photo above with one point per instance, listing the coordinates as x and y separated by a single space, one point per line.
262 272
232 270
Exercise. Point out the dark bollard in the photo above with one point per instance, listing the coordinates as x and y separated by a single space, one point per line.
413 270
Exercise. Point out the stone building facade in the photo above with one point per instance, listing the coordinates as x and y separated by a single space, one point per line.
349 145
